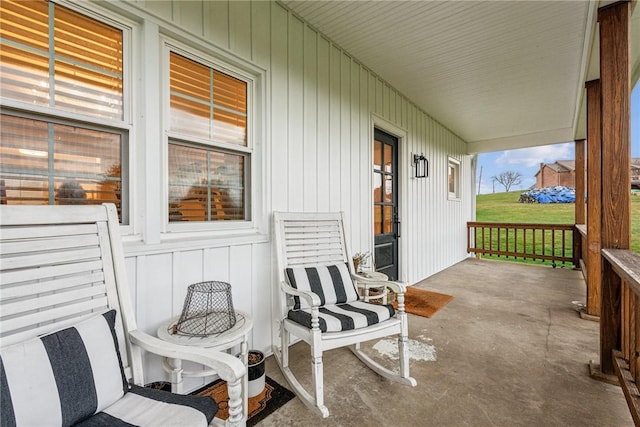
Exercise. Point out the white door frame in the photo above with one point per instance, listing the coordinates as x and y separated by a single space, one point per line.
400 133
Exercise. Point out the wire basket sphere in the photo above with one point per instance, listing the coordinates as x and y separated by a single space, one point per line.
207 310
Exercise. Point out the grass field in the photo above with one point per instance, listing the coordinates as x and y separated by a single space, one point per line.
504 207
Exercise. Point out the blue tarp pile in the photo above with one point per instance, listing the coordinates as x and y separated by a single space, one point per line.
559 194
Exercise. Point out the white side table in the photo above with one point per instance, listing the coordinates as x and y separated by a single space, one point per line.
238 334
367 280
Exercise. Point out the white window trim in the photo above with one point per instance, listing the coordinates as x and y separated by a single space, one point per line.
457 164
256 94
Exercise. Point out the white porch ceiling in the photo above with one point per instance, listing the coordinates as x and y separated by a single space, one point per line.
499 74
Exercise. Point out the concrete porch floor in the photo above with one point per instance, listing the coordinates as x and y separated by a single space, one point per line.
510 351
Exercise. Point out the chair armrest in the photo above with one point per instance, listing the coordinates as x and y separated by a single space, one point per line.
311 298
397 287
228 367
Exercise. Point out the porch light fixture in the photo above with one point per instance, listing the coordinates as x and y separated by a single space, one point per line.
421 165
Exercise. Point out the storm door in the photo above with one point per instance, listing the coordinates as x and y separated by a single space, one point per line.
386 226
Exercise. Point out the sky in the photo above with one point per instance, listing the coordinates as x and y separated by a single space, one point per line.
527 160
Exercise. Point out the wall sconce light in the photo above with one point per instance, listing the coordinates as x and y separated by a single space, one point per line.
421 165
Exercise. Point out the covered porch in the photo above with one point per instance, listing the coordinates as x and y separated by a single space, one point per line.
509 349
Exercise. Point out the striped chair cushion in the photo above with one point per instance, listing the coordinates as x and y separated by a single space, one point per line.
150 407
344 317
66 376
332 283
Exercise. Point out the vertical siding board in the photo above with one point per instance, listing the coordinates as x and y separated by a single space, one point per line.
345 133
187 270
191 15
413 129
371 93
366 150
421 197
386 94
399 104
323 103
379 97
240 28
261 33
334 130
132 272
215 264
140 297
161 8
295 124
240 276
358 183
392 106
155 291
261 296
430 199
311 173
278 107
218 23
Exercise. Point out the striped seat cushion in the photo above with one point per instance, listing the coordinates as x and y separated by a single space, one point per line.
63 377
344 317
332 283
149 407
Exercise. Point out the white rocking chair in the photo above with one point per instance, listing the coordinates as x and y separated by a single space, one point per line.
320 304
63 289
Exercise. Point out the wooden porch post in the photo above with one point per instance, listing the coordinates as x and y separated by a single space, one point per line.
580 209
594 197
580 187
616 159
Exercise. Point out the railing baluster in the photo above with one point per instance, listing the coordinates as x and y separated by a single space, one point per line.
483 243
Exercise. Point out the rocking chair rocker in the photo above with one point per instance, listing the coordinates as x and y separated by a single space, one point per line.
320 304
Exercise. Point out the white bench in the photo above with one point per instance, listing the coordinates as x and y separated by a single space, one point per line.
63 299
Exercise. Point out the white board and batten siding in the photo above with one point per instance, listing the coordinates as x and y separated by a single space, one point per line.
321 105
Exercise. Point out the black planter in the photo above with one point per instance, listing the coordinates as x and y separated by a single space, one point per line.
256 372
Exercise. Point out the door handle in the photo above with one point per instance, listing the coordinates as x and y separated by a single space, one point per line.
397 226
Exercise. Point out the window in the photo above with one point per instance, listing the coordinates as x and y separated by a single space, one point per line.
209 153
453 181
62 125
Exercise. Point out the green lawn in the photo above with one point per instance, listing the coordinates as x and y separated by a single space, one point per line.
504 207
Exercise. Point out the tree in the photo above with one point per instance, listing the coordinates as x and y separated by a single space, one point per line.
508 179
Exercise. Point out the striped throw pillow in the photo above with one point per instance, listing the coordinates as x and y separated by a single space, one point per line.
332 283
64 377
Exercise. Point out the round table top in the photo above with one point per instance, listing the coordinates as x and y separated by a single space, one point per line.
374 276
223 340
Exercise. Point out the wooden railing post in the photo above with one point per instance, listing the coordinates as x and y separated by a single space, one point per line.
577 248
580 214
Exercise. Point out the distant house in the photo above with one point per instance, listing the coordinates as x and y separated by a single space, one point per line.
635 174
563 172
